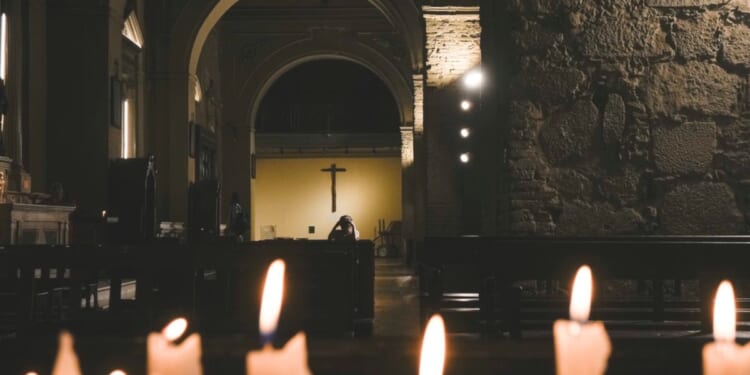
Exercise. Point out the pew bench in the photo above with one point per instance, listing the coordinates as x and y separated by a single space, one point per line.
137 289
491 285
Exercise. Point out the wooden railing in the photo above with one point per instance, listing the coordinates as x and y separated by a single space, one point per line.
479 279
135 289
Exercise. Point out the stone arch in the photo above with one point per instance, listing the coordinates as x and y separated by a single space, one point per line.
274 66
199 17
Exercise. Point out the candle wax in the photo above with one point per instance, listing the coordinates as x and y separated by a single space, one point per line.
581 349
289 360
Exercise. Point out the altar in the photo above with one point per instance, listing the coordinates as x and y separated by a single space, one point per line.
34 224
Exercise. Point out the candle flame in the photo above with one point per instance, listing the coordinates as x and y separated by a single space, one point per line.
580 300
175 329
725 316
432 358
273 294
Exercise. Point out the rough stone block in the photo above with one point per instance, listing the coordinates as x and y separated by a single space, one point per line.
703 208
684 3
697 38
597 219
625 37
736 46
621 189
685 149
695 87
571 184
551 82
571 134
539 6
614 120
535 39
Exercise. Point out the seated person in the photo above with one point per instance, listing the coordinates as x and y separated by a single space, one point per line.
346 231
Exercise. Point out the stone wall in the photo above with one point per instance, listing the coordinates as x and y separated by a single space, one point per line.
628 117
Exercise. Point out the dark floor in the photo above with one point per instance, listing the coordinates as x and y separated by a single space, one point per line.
396 299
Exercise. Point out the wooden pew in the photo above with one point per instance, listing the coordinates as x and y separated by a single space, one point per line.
135 289
483 271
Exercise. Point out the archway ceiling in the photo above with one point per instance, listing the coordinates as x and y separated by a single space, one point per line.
302 3
359 15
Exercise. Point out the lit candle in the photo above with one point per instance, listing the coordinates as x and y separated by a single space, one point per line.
66 362
166 357
292 358
725 357
432 357
581 347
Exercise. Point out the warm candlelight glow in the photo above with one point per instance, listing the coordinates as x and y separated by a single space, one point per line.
580 300
725 316
432 357
273 294
175 329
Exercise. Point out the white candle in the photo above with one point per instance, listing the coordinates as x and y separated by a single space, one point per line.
725 357
165 357
581 347
432 357
292 358
66 362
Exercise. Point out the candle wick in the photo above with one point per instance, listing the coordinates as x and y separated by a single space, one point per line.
267 340
575 327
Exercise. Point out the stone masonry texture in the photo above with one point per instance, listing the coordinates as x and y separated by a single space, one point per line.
627 117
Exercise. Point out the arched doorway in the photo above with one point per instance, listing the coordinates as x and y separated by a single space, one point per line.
191 29
320 115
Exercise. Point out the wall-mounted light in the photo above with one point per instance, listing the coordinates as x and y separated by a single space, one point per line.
474 79
465 157
466 105
465 132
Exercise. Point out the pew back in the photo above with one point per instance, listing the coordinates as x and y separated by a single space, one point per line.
136 289
488 271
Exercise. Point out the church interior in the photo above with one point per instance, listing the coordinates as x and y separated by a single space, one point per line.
374 187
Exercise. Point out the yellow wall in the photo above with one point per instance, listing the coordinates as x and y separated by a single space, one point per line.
293 194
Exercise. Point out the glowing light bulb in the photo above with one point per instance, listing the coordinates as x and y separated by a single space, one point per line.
474 79
465 157
465 133
466 105
118 372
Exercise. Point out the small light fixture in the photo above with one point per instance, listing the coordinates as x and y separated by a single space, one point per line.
117 372
465 157
465 132
466 105
474 79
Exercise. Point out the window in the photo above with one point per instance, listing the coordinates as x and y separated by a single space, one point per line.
132 30
128 127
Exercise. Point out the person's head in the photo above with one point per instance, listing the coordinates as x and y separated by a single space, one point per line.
346 222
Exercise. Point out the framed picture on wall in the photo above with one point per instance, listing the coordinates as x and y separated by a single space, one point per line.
115 106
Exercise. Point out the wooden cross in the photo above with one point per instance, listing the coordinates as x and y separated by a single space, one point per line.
333 171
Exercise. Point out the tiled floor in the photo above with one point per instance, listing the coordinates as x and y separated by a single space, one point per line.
396 299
